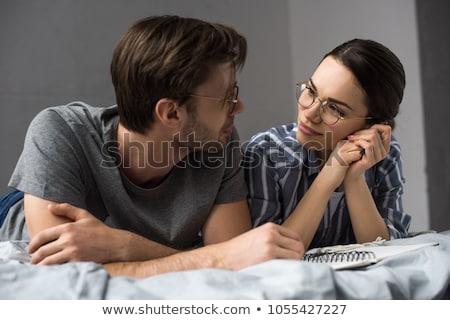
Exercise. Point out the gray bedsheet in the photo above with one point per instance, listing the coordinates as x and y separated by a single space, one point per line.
422 274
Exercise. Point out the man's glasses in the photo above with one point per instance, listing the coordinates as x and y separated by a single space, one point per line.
330 112
230 103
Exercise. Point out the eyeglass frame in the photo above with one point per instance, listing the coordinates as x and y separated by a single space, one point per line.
323 104
232 107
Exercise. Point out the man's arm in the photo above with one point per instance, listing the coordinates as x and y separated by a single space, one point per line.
63 233
226 221
38 216
267 242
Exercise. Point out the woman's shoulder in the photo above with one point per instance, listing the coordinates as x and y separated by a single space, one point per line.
279 135
392 163
278 145
395 152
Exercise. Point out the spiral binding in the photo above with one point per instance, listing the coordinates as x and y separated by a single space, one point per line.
336 257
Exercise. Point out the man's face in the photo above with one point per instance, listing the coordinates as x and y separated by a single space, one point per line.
211 122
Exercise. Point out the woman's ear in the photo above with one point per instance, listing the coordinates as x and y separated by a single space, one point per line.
167 112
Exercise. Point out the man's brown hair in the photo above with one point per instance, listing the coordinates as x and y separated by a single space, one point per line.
168 57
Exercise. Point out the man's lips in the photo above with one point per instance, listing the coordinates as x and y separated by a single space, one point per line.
307 130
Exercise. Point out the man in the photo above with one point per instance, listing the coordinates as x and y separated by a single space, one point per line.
140 185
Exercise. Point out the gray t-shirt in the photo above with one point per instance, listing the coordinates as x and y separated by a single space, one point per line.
71 155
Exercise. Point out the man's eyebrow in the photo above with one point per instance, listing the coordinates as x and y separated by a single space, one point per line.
331 99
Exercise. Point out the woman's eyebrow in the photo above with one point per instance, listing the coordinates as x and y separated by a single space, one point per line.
331 99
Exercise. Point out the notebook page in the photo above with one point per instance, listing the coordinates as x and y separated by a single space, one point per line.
380 252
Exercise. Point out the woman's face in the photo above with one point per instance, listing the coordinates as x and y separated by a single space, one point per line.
331 81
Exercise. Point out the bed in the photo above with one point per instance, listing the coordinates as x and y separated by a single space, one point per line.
420 274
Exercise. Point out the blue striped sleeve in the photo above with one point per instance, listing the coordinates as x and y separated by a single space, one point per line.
261 176
388 191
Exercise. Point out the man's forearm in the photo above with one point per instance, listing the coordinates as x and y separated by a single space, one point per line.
189 260
267 242
139 248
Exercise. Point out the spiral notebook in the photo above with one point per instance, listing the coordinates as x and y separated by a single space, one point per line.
359 255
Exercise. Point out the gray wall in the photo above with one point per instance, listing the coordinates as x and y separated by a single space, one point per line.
434 35
54 52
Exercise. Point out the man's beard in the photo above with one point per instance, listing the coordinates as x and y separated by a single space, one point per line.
197 137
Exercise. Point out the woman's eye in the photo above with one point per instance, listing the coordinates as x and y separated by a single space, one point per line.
335 110
311 92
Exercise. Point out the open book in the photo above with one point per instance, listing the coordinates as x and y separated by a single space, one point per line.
358 255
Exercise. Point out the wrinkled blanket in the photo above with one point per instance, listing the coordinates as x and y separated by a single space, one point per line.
420 274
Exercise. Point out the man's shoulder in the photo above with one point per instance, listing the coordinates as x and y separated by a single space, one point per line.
74 114
80 110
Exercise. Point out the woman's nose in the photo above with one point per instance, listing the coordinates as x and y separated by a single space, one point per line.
312 114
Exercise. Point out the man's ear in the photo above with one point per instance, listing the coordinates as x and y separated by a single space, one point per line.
168 112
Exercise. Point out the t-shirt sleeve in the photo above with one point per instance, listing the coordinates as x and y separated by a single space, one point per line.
50 164
233 187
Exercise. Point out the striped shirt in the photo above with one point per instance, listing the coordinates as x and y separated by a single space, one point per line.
279 171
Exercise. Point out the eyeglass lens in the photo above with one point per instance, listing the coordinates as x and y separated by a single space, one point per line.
306 98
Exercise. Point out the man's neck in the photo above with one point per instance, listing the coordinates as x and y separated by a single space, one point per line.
147 158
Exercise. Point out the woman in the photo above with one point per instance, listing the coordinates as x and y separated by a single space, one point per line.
335 177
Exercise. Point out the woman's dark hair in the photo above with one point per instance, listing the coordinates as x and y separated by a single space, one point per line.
168 57
379 73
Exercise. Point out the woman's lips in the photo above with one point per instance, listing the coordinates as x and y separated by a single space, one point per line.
307 130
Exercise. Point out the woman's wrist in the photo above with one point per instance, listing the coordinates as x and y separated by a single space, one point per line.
330 177
357 180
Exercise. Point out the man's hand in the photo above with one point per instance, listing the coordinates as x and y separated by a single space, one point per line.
84 239
267 242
